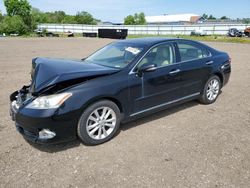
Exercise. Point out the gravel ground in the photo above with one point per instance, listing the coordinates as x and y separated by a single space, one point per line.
191 145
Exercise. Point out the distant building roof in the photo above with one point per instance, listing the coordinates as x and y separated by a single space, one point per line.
173 18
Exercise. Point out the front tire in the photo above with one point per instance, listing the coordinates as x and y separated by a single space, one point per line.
211 90
99 122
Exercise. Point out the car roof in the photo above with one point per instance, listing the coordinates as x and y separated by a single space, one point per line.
151 41
147 41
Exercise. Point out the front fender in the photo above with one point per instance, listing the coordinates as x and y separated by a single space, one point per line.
89 92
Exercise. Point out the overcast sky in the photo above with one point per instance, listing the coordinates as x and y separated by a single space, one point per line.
116 10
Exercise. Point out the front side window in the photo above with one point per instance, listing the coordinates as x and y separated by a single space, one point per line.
191 51
161 56
116 55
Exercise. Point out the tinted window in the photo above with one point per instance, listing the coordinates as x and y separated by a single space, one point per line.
161 55
191 51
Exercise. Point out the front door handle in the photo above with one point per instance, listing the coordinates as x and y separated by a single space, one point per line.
209 62
174 71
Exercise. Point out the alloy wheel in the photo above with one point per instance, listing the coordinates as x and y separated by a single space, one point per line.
101 123
213 89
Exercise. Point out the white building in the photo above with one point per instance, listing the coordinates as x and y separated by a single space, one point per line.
175 19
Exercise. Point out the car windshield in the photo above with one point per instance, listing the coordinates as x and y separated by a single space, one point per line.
116 55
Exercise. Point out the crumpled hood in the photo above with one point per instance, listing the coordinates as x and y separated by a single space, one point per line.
47 72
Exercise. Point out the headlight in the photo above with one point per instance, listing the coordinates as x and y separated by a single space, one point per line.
49 102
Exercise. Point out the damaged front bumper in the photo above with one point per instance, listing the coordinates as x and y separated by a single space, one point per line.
45 126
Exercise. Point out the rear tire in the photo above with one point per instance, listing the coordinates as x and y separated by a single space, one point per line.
211 90
99 122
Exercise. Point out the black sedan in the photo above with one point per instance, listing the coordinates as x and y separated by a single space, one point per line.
124 80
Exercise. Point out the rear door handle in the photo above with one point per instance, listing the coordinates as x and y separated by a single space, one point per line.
174 71
209 62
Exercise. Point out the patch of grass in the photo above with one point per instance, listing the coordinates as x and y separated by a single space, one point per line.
211 38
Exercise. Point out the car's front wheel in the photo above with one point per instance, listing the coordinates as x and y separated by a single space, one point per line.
211 90
99 122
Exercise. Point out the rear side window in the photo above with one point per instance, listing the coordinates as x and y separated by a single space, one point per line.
192 51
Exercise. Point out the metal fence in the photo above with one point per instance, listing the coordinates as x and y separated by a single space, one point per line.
210 29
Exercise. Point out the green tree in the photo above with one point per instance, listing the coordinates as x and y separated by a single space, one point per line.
69 19
1 16
13 24
129 20
57 16
38 16
205 16
61 17
224 18
85 18
211 17
140 19
20 8
137 19
246 20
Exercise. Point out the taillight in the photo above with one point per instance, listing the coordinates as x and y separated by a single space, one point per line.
226 64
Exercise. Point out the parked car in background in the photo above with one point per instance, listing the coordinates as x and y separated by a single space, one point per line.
123 81
247 31
70 34
233 32
51 34
43 33
40 32
198 32
14 34
3 35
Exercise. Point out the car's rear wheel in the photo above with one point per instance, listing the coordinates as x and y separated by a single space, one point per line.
211 90
99 122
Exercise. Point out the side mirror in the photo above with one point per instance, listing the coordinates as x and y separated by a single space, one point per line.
146 68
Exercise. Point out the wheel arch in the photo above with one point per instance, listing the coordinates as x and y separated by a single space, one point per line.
220 75
110 98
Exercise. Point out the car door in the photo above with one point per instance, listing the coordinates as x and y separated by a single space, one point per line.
159 87
195 65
